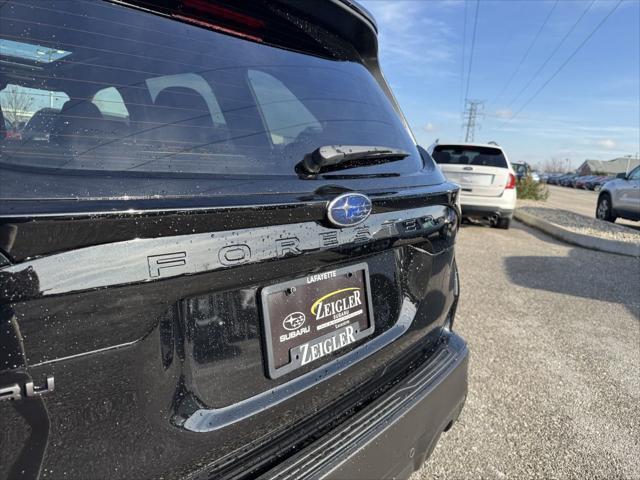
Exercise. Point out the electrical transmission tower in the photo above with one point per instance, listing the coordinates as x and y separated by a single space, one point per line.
473 110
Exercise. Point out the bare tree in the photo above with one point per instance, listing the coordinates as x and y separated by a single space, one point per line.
555 165
16 103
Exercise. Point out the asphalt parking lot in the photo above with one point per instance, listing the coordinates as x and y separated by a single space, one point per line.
554 334
579 201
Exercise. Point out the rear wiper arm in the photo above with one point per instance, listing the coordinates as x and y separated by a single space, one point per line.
338 157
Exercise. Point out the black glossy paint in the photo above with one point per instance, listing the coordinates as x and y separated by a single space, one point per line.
131 403
165 376
30 229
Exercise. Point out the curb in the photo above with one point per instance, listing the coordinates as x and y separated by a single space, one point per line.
586 241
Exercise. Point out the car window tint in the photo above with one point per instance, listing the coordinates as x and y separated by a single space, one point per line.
140 96
285 116
469 155
635 174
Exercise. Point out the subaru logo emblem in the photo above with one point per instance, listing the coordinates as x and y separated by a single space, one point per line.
349 209
293 321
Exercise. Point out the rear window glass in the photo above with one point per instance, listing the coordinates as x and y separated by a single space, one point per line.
113 94
278 105
469 155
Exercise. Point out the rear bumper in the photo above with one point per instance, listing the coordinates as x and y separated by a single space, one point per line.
485 211
479 206
395 435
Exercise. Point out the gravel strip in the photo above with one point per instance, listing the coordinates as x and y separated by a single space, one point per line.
581 224
554 383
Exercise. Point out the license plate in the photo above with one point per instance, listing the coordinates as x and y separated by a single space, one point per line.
308 319
474 179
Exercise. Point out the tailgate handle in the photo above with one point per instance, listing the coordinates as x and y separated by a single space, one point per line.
468 168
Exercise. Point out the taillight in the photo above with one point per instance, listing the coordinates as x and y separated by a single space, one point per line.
511 183
221 18
219 11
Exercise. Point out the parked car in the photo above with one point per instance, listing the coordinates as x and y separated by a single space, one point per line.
578 181
521 169
487 181
551 178
581 182
567 180
596 184
572 181
589 183
9 132
557 180
237 263
620 198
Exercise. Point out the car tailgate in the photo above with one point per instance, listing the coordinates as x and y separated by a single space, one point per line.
478 180
157 345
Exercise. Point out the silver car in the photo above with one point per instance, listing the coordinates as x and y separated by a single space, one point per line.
620 197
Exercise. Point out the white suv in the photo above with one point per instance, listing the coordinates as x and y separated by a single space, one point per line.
486 178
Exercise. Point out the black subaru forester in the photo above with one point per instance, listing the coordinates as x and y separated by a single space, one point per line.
222 254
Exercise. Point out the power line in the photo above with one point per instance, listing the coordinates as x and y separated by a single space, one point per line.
464 55
526 53
473 45
564 64
544 64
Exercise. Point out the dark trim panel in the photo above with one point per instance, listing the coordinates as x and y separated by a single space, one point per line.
31 229
149 259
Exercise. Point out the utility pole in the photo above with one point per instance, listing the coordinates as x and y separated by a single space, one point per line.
473 110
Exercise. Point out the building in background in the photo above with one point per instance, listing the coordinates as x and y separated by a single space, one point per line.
609 167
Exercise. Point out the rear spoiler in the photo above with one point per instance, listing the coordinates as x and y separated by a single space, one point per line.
346 18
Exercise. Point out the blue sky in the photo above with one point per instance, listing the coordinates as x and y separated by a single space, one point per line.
591 109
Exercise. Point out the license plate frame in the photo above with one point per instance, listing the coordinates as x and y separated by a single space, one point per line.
335 323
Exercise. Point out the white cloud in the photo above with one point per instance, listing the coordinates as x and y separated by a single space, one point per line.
411 37
606 143
625 131
505 113
429 127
